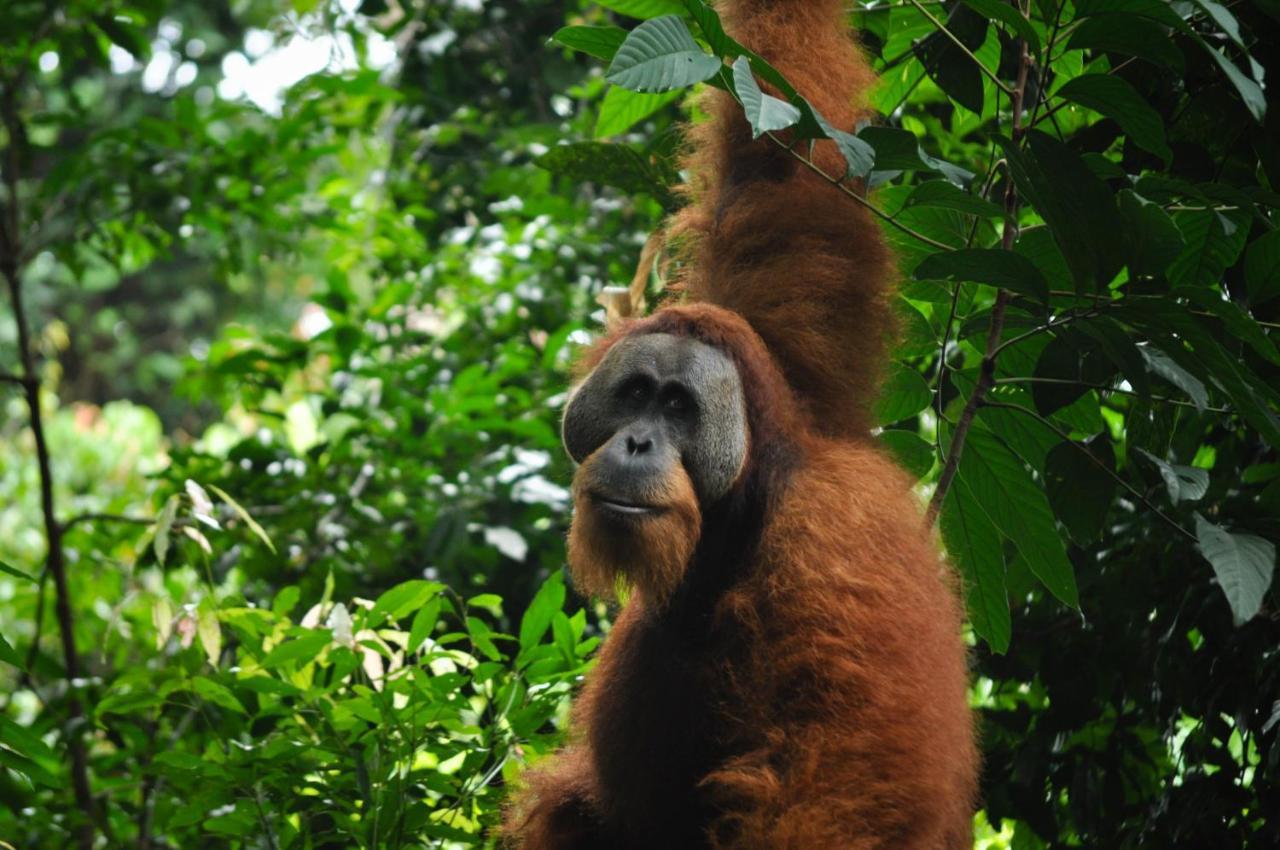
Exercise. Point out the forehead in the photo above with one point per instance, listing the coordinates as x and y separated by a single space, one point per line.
666 356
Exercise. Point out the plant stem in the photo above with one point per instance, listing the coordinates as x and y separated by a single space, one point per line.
987 374
10 249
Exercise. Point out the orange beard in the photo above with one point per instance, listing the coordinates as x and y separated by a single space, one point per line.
648 553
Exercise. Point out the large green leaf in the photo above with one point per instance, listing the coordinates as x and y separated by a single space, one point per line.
1213 240
1130 35
949 66
600 42
622 109
615 165
644 8
976 547
1004 489
903 394
1166 367
1077 206
909 449
764 112
940 193
1262 267
1184 483
1243 563
1117 99
1154 240
992 266
1080 490
660 55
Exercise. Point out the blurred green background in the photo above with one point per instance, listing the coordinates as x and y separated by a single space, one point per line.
303 288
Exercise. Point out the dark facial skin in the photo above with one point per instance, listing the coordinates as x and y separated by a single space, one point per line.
655 403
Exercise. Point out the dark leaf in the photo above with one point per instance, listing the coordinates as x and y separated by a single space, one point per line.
995 267
1243 563
1115 98
975 546
1080 490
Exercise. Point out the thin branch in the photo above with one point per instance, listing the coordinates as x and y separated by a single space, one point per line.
942 28
1110 389
10 250
121 518
6 378
1039 329
1110 472
987 373
839 183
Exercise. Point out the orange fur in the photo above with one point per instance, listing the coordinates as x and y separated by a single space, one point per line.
799 682
598 559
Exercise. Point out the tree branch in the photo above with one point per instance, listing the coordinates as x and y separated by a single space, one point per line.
55 562
987 373
121 518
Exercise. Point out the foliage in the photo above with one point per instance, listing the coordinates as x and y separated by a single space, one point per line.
294 588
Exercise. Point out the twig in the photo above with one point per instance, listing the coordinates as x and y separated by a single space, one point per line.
1109 389
1039 329
55 561
942 28
1110 472
7 378
839 183
131 520
987 373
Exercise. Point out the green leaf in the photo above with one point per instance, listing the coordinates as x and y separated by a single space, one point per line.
424 621
1243 563
164 524
903 394
15 572
403 598
621 109
1130 35
950 67
911 451
940 193
1077 206
1019 508
611 164
1154 240
1164 366
10 655
537 617
1184 483
859 156
975 546
1214 241
1262 267
660 55
992 266
209 630
217 694
286 599
299 650
1010 17
1250 92
644 8
600 42
764 112
1079 490
899 150
1117 99
244 515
